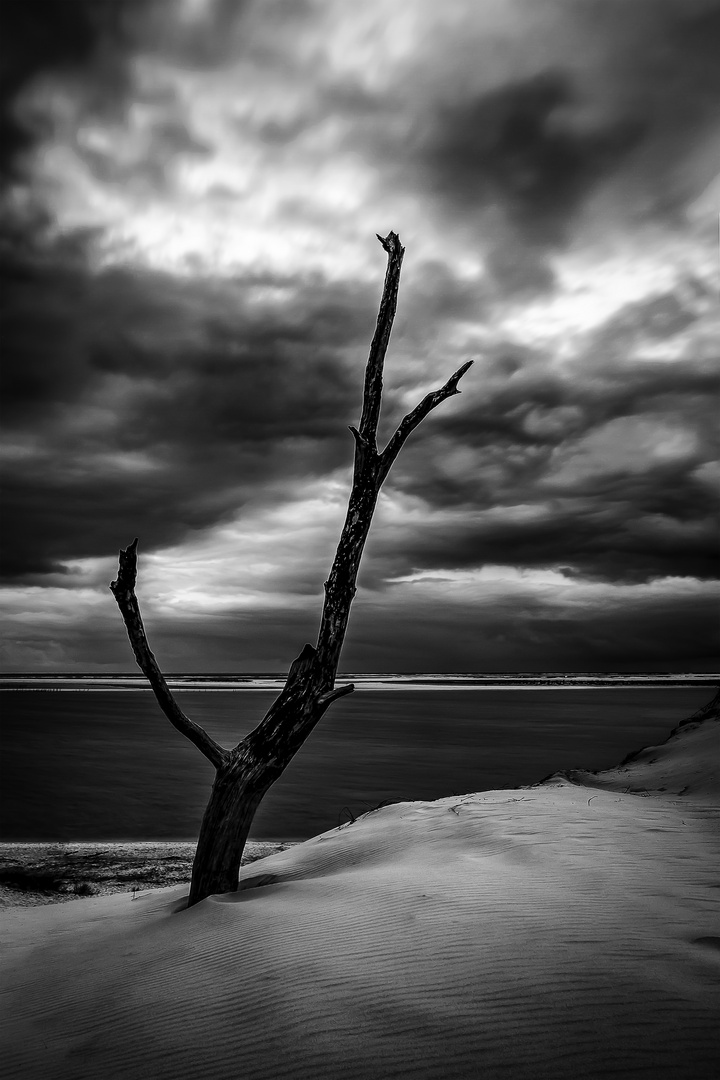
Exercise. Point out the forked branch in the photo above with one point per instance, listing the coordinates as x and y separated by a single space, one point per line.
123 589
370 471
245 773
418 414
325 700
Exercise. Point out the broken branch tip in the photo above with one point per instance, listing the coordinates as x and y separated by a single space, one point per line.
390 243
357 436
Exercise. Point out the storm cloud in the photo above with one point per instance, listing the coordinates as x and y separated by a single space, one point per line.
138 398
190 194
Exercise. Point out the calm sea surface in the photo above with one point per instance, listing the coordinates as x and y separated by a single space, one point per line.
107 765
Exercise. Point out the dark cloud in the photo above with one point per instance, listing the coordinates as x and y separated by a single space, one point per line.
516 146
659 60
43 37
626 529
601 630
85 50
435 297
143 403
139 402
604 115
518 399
518 271
606 454
617 527
512 634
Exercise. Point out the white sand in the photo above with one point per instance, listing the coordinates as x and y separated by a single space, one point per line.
559 931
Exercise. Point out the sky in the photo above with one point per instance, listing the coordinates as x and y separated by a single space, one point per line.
191 191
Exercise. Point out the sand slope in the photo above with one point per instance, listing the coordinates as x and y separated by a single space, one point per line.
558 931
686 764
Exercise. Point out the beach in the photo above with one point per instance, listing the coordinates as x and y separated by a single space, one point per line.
33 874
569 928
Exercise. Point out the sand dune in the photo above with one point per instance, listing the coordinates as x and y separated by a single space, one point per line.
571 929
686 764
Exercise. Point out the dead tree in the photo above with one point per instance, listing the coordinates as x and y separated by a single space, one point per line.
244 773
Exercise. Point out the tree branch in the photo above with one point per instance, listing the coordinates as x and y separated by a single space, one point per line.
369 473
359 441
332 695
372 395
418 414
312 675
123 589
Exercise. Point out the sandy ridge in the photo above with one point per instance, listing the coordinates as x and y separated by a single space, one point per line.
563 930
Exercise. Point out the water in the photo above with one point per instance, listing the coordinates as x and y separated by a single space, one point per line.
106 765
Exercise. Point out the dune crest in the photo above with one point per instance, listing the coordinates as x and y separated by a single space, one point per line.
687 764
569 929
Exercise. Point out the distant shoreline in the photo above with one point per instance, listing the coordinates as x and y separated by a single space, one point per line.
364 683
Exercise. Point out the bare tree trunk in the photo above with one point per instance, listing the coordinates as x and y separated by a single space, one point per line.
235 796
244 773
